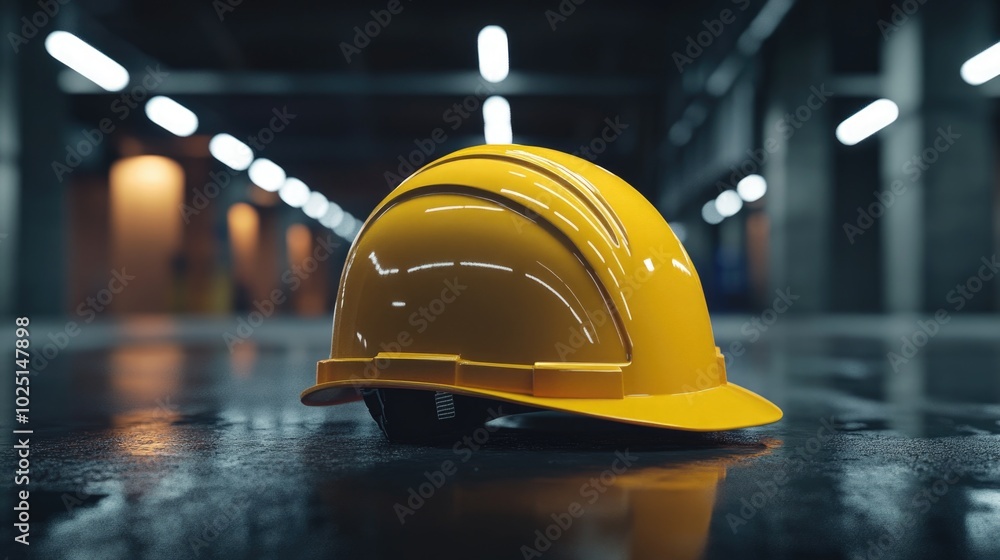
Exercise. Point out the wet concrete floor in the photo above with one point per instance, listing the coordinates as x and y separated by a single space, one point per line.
152 440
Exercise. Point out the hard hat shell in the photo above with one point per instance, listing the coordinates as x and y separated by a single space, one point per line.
530 276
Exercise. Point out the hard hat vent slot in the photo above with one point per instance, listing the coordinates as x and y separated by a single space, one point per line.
444 404
585 192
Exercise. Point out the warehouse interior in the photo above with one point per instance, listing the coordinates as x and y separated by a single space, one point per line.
181 183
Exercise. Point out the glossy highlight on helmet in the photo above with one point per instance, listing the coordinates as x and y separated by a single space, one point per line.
529 276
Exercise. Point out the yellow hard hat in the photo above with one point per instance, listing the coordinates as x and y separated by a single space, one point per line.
530 277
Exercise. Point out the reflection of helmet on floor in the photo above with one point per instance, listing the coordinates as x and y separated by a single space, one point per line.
606 502
526 276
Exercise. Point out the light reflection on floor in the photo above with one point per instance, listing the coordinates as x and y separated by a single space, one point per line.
171 447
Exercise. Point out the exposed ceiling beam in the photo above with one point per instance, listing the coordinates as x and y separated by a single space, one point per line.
211 82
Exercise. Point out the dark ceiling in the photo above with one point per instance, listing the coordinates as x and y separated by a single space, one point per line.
354 119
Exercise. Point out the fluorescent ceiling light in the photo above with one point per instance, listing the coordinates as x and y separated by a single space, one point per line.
763 26
86 60
347 227
494 63
333 216
498 133
680 230
983 67
710 214
496 121
294 192
172 116
680 133
316 206
867 121
722 78
728 203
230 151
751 187
267 175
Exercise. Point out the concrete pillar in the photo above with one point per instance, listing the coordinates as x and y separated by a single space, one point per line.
41 236
9 154
799 171
902 228
937 158
959 192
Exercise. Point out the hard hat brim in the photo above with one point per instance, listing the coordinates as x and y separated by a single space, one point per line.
725 407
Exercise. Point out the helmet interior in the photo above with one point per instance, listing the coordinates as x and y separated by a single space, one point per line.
406 415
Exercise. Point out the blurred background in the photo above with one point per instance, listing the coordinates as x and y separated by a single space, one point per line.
172 173
211 148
